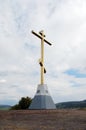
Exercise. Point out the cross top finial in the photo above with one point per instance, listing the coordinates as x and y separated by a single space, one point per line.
42 33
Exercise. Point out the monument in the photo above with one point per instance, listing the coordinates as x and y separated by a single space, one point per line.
42 98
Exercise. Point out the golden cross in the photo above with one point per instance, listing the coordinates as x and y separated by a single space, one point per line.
41 61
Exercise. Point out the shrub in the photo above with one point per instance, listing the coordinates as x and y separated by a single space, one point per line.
24 103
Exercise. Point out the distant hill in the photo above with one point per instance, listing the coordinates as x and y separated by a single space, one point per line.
72 104
5 107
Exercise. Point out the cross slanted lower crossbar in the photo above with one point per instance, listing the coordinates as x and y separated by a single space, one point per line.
41 35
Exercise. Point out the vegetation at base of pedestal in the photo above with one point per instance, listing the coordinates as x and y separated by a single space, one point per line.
23 103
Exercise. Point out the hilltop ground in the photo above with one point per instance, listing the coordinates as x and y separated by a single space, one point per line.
43 120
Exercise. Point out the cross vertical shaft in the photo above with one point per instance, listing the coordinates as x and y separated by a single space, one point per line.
42 58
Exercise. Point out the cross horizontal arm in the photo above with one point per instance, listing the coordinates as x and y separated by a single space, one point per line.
41 37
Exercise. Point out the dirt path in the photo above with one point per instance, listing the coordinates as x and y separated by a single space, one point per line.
43 120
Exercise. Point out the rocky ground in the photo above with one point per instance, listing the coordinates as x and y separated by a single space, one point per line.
43 120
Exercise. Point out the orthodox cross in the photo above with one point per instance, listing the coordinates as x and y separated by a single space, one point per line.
41 35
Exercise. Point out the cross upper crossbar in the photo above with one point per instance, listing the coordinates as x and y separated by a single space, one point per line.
41 37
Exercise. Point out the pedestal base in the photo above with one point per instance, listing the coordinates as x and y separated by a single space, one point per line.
42 99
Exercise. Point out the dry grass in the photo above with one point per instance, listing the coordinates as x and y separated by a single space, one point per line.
43 120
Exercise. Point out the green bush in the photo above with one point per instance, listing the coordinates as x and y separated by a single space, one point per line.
24 103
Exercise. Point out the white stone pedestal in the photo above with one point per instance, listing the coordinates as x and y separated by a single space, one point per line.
42 99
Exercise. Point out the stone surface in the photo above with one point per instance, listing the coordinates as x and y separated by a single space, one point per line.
42 99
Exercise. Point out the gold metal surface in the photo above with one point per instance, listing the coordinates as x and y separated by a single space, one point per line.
41 35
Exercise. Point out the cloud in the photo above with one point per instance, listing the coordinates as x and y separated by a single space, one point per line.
64 23
2 80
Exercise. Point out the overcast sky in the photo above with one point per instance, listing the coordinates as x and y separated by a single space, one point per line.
64 24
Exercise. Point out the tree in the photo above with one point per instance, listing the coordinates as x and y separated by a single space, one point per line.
23 103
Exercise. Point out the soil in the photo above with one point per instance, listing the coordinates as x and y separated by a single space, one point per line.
43 120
